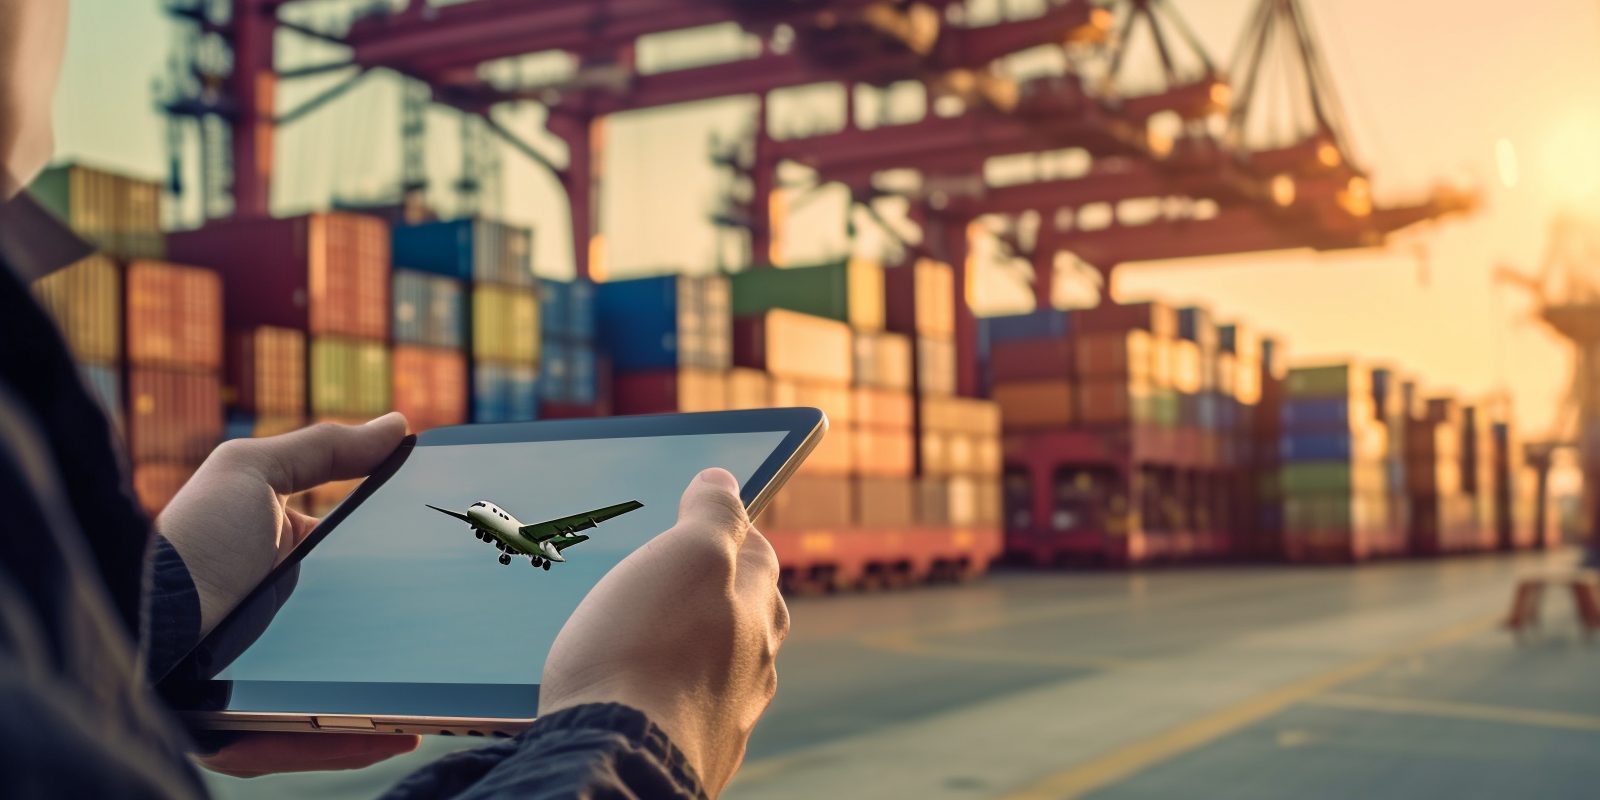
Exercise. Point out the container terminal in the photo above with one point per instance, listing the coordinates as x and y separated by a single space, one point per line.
1127 546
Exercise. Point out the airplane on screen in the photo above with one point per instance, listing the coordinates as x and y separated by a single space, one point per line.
541 542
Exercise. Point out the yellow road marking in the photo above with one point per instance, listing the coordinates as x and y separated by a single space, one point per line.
1126 761
1510 715
909 644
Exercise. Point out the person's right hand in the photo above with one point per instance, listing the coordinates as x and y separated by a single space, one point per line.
685 629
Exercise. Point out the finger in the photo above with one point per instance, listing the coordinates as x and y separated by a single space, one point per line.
712 504
297 461
258 754
301 525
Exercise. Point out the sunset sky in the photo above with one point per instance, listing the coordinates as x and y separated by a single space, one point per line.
1490 95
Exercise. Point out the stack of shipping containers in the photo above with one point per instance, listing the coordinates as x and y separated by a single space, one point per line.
429 372
570 371
1440 512
491 265
670 342
138 322
1477 474
324 276
1334 475
1257 511
1393 404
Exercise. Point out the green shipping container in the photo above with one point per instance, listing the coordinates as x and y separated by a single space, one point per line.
118 214
1312 477
1332 380
349 377
1159 408
848 291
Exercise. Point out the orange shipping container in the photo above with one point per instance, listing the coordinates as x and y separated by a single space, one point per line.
749 388
883 360
172 415
267 371
936 366
1107 355
1106 401
920 299
1186 367
835 400
883 408
156 483
810 502
834 455
885 502
888 452
791 345
174 315
1035 404
430 385
960 415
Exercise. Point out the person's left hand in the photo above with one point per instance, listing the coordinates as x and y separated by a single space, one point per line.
231 524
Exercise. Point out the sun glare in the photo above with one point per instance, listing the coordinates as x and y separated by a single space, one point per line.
1572 158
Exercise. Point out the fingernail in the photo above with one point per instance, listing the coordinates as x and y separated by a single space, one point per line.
378 419
719 477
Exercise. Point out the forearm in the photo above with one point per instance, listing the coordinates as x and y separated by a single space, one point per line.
596 750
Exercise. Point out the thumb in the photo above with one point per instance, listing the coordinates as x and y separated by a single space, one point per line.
294 462
712 503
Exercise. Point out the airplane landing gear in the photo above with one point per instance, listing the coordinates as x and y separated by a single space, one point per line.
533 562
504 559
546 566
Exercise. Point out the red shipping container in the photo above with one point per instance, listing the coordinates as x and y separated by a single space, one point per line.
173 315
172 415
1154 316
157 482
327 272
430 385
1030 359
267 371
920 299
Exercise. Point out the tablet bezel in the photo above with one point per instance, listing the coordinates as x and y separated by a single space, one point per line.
199 699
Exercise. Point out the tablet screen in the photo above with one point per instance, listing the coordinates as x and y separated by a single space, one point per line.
405 609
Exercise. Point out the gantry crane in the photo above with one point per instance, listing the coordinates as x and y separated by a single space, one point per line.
1566 293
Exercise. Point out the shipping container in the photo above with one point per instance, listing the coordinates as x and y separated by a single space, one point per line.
882 408
1151 316
567 309
1130 354
349 377
119 214
1367 444
881 451
884 501
1339 413
85 300
810 501
1112 402
790 345
935 365
157 482
1049 323
665 322
325 273
105 388
1035 404
430 386
505 323
749 388
1195 324
173 316
883 360
503 392
173 415
267 370
568 372
429 310
1032 359
671 391
920 299
1329 380
849 291
470 249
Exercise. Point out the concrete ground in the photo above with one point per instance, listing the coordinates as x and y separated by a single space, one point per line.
1385 681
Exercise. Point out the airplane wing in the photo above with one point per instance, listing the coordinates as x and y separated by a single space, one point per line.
563 542
549 529
462 517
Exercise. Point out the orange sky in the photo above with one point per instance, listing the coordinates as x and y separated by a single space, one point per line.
1431 87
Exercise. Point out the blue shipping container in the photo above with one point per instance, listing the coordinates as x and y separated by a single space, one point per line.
1316 414
106 389
567 308
503 392
568 373
1316 446
429 309
1200 411
638 323
1050 323
467 249
238 425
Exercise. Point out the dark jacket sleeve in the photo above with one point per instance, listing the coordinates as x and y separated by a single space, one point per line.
172 610
602 750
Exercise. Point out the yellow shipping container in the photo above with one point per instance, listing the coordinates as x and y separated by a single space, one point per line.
749 388
505 323
349 377
84 301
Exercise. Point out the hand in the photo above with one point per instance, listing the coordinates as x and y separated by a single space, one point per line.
685 629
252 755
231 523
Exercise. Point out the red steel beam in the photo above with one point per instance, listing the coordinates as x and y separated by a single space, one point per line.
972 48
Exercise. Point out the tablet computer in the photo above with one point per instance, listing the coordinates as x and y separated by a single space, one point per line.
427 601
